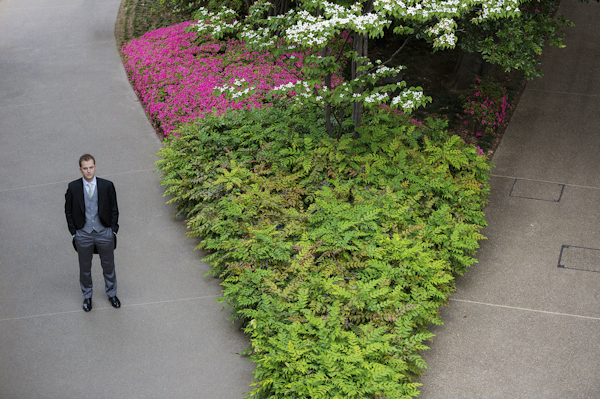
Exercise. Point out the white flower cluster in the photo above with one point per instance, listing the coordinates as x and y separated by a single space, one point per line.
335 10
408 100
261 37
310 31
316 31
383 69
388 71
287 86
425 10
205 12
234 90
216 23
444 30
242 93
446 40
303 91
376 98
216 29
422 10
445 24
343 90
387 5
494 8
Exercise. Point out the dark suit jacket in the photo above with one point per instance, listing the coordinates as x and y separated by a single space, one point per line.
108 211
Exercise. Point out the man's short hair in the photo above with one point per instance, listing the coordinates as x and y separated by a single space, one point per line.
86 157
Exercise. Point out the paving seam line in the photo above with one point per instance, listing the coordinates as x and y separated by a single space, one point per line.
545 181
564 92
74 5
65 45
526 309
110 307
68 181
146 170
127 92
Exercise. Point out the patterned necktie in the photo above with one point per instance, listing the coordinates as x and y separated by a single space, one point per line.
90 190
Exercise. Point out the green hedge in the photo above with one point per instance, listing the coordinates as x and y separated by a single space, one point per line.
335 254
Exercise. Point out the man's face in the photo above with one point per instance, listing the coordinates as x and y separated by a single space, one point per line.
88 170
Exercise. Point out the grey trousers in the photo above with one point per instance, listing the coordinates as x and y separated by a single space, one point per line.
105 244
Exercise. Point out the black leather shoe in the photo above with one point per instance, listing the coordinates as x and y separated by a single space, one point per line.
87 304
114 301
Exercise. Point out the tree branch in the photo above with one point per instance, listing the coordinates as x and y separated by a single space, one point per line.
339 125
393 55
344 45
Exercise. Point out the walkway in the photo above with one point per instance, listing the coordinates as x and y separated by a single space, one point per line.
520 326
64 92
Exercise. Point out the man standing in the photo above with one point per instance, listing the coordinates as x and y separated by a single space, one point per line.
92 216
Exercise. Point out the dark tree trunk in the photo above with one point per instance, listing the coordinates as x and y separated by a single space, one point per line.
284 6
360 44
468 66
488 69
326 53
278 7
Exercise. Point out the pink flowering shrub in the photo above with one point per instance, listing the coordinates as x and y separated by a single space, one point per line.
175 76
486 105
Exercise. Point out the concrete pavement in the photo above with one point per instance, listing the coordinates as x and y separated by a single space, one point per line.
525 321
519 325
64 92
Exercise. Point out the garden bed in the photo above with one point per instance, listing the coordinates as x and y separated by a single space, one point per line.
335 254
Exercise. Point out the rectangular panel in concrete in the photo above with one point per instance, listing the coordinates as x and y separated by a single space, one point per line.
579 258
493 352
522 250
537 190
552 138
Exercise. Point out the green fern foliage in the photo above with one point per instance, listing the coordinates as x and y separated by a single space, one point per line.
335 254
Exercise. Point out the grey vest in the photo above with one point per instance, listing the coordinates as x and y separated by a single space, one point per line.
92 221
